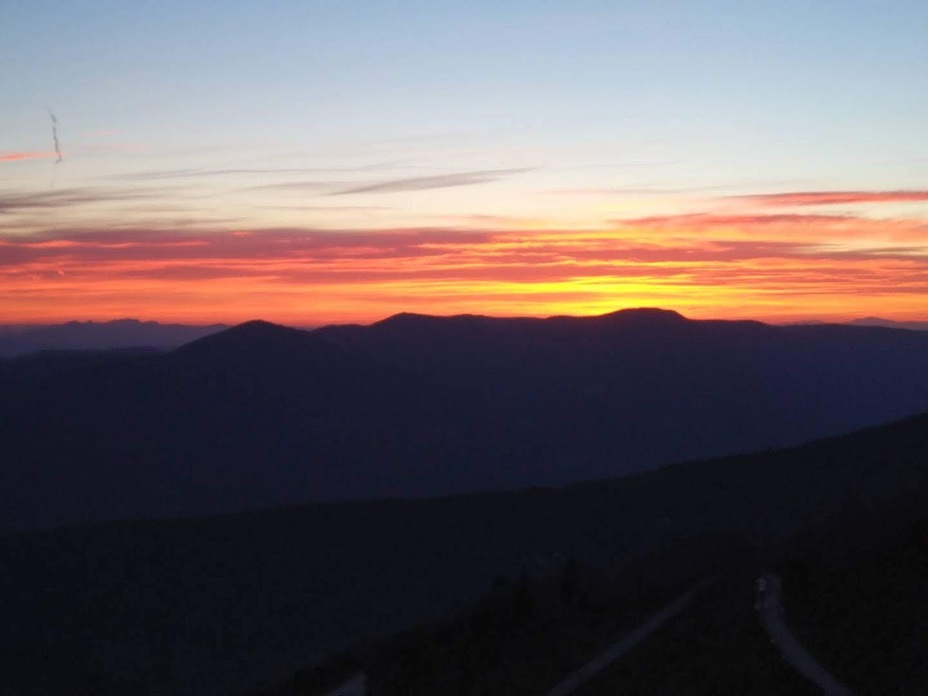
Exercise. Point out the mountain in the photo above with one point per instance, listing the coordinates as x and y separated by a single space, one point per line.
91 335
262 415
223 604
628 379
253 416
889 323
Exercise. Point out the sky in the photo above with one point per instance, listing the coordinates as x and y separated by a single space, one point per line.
316 162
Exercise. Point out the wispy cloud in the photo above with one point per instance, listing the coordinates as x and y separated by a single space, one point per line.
11 201
18 156
796 227
629 191
864 249
197 172
812 198
701 222
422 183
299 186
330 208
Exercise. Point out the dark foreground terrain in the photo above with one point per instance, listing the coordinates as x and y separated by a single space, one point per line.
855 599
530 583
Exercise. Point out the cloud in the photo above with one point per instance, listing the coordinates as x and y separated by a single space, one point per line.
194 172
811 198
14 201
751 263
329 208
628 191
298 186
18 156
422 183
858 249
708 220
317 255
850 234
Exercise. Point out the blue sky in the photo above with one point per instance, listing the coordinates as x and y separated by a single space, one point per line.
784 90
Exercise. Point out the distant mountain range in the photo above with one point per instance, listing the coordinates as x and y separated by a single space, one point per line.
91 335
263 415
889 323
132 333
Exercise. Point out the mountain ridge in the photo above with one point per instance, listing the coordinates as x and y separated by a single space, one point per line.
101 335
261 414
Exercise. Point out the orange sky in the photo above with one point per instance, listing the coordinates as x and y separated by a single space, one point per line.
751 257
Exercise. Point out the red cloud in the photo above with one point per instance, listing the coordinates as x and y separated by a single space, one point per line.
730 265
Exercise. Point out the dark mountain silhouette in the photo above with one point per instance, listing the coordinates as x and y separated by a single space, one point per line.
889 323
254 416
260 415
92 335
216 605
46 365
619 382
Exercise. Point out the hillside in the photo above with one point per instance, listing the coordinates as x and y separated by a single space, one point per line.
262 415
206 606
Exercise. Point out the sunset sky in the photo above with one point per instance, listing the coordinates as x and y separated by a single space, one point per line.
314 162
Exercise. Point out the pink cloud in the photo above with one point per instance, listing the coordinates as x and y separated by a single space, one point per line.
803 198
17 156
707 220
777 262
805 229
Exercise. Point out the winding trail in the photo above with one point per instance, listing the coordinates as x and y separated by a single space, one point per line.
629 641
770 607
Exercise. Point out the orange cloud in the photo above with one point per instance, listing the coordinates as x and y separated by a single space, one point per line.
799 228
783 266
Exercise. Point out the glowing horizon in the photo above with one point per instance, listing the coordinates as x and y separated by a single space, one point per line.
760 266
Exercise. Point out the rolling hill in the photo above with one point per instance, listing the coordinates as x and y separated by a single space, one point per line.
261 415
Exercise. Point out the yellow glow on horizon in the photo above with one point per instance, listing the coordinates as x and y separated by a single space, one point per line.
703 266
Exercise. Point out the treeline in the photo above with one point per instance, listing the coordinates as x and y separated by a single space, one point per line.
857 595
526 633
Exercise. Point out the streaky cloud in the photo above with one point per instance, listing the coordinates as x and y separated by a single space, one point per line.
195 172
19 156
423 183
702 220
11 202
298 186
813 198
860 250
632 191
